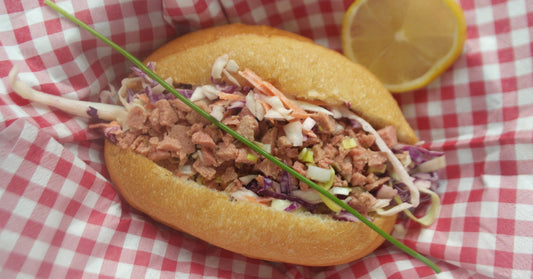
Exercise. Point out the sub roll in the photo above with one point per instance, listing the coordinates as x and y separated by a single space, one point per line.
326 117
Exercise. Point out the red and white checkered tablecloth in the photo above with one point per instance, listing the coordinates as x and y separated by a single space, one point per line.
61 217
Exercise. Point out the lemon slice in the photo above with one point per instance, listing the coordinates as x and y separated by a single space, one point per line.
405 43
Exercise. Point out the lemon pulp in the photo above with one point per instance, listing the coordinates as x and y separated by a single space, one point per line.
405 43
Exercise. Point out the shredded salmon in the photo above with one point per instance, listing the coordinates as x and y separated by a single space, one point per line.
270 90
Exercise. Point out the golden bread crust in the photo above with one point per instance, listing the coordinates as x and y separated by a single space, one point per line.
294 64
246 228
299 68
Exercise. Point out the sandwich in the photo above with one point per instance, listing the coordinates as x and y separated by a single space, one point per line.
326 117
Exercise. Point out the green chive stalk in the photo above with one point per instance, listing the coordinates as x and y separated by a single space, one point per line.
242 139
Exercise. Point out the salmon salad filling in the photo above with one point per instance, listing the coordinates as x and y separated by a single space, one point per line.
331 145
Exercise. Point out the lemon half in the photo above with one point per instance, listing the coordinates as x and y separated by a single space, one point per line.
405 43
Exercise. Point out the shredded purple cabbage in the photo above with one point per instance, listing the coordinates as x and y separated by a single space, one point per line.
151 65
237 104
293 206
223 86
403 191
130 95
187 93
432 177
268 191
153 98
344 216
143 75
285 182
269 183
418 154
355 124
347 104
184 89
226 88
405 195
110 135
93 113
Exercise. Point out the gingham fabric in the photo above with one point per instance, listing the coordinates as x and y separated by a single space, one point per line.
60 216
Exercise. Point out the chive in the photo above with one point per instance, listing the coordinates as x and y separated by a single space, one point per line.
242 139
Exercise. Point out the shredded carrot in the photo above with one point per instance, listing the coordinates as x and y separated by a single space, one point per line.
231 97
265 201
252 199
309 133
220 103
144 98
99 125
300 115
261 200
105 125
269 89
